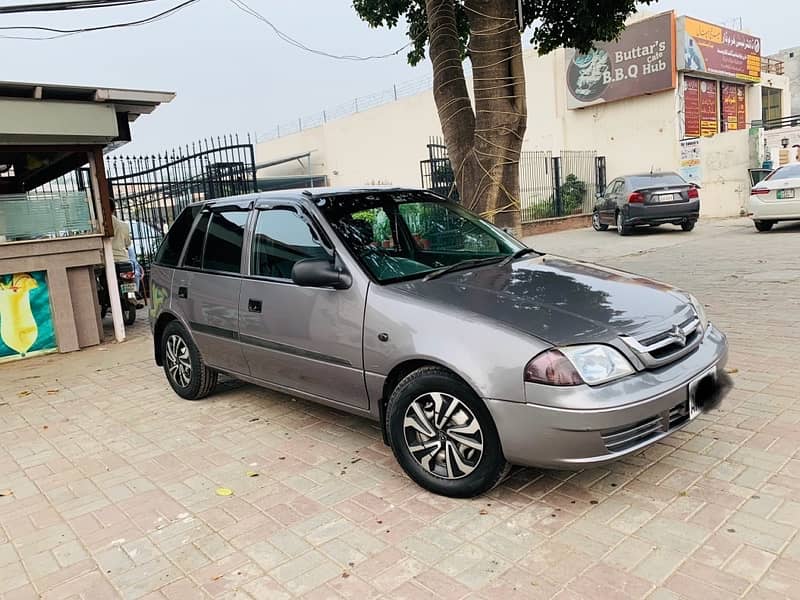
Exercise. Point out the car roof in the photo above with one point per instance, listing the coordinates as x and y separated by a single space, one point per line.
309 194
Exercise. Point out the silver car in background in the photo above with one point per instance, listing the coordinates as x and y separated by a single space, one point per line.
472 351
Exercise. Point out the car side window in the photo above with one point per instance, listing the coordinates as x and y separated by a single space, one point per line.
282 238
194 251
169 252
223 247
615 187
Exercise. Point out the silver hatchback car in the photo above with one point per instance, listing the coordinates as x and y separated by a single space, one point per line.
472 351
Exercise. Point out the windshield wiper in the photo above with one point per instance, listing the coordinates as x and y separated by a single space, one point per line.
518 254
462 264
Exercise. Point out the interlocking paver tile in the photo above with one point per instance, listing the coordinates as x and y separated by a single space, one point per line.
116 497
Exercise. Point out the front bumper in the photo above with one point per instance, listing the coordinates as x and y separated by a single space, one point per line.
588 426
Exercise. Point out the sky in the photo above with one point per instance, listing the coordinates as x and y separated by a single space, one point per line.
232 73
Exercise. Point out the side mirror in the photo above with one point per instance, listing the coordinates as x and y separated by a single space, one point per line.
598 195
320 272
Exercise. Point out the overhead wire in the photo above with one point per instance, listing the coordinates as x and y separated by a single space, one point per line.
60 33
66 6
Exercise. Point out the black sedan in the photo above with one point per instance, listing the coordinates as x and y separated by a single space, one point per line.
648 199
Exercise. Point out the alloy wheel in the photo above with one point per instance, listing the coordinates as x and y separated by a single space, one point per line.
596 220
179 363
443 435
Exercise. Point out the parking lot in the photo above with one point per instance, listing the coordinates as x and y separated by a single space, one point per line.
109 482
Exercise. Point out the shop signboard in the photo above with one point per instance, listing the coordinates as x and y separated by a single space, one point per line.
26 320
641 61
691 169
708 48
699 107
734 115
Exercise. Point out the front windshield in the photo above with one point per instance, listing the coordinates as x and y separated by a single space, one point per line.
404 235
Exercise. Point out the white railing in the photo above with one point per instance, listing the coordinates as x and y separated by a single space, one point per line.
396 92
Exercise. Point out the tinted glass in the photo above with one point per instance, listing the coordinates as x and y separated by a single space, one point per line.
169 252
281 239
406 235
223 249
787 172
656 180
194 251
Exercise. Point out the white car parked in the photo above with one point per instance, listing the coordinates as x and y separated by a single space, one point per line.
776 198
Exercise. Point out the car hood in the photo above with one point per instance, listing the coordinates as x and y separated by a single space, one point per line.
559 300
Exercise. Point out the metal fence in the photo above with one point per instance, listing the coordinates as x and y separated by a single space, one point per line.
150 191
397 91
550 186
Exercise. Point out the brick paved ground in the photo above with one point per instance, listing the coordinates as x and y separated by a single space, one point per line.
108 479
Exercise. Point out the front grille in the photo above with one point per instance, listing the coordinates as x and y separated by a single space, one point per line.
640 432
667 346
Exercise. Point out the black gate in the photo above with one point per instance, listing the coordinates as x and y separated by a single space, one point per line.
437 172
150 191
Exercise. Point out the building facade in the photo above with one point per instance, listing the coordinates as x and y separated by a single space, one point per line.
673 93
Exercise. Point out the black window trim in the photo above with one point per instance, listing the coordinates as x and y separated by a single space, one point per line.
208 208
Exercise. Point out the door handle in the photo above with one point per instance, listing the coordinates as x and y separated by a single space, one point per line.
183 292
254 306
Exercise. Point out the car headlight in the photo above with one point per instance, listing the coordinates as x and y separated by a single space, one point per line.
701 312
592 364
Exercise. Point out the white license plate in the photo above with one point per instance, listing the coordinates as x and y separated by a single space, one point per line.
127 287
785 194
694 407
668 198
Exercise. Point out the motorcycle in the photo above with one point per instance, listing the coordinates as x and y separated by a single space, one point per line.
126 280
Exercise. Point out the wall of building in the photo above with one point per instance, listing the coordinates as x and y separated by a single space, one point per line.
791 69
725 160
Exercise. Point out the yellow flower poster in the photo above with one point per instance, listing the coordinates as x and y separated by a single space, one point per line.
26 320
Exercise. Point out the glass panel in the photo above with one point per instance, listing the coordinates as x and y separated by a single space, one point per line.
194 251
787 172
656 180
223 251
44 215
169 253
281 239
435 227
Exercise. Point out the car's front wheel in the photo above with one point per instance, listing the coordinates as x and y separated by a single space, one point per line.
443 435
598 226
763 225
183 365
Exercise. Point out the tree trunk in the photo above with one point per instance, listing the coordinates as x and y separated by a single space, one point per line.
484 144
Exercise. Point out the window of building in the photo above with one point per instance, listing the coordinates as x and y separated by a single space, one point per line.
771 104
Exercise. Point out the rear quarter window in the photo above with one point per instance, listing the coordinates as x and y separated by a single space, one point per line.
169 252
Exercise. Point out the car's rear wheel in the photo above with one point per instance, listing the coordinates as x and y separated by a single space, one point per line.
183 365
598 226
622 229
687 225
763 225
443 435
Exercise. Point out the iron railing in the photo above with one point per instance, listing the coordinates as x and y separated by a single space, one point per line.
550 186
150 191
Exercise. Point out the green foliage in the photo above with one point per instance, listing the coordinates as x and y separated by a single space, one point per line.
553 23
573 194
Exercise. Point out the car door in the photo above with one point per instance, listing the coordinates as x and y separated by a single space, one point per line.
609 201
303 338
206 289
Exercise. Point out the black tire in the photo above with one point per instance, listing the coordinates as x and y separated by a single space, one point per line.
687 225
198 380
622 229
596 224
103 312
489 465
129 313
763 225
